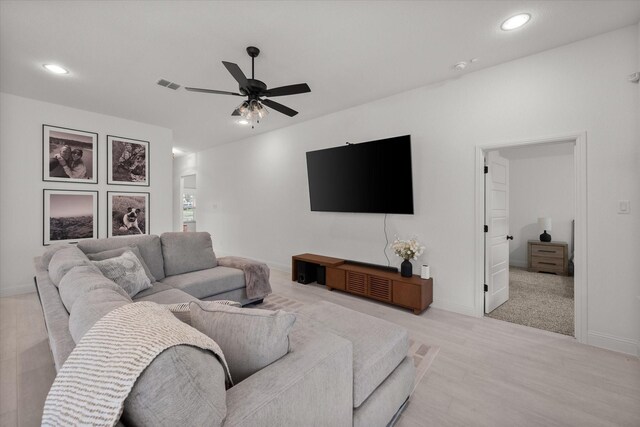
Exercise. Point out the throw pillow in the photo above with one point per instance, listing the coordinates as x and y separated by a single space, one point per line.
249 338
50 251
112 253
82 279
64 260
183 312
126 271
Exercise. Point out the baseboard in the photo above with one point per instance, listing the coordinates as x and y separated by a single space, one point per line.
454 307
17 290
518 263
610 342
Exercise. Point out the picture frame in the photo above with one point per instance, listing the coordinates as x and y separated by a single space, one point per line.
60 159
69 216
127 161
127 213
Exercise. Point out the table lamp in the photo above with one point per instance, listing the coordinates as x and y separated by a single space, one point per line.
545 224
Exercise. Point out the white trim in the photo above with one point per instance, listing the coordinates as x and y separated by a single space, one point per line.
17 290
451 306
580 246
613 343
518 263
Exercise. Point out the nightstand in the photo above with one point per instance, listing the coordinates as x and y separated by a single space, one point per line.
549 257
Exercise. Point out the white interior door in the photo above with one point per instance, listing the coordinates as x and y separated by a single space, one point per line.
495 241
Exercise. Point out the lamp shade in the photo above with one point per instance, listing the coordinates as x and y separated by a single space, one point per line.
545 223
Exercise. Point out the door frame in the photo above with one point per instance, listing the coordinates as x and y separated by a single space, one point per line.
579 139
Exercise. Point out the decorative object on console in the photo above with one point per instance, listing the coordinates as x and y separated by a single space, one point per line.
407 249
69 155
545 224
127 161
424 273
69 216
127 213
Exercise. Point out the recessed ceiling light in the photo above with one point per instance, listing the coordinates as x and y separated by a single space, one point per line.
242 122
56 69
516 21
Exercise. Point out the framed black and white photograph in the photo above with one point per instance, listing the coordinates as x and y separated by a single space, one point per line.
128 161
69 155
70 216
128 213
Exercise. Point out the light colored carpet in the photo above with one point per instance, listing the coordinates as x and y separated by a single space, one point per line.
539 300
422 353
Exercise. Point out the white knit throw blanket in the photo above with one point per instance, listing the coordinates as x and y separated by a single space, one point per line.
95 380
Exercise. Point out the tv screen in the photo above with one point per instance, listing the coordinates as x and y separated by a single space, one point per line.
372 177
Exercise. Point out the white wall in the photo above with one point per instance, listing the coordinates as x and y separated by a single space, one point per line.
541 181
255 198
21 184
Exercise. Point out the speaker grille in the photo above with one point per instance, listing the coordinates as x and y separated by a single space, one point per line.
380 288
356 282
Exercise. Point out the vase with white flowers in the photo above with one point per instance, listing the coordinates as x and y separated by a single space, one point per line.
407 250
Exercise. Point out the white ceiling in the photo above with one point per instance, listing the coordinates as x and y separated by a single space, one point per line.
348 52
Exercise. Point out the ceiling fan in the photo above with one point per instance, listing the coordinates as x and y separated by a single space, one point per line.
256 92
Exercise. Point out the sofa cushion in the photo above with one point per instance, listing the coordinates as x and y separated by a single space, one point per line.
378 346
91 307
64 260
205 283
249 338
184 385
48 253
149 246
157 287
187 252
127 271
169 296
112 253
81 279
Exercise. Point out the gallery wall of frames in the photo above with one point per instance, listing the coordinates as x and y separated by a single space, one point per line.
71 155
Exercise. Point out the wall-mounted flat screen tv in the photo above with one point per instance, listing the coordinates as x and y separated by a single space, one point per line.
371 177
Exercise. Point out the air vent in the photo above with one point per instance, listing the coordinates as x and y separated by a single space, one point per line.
168 84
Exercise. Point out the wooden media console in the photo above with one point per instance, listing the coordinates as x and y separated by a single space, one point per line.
413 292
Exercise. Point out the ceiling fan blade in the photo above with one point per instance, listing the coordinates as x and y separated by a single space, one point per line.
219 92
279 107
288 90
235 112
237 73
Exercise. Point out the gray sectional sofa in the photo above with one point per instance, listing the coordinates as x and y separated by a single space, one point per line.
343 368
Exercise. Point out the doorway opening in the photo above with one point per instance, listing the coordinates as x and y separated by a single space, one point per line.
528 275
534 193
188 202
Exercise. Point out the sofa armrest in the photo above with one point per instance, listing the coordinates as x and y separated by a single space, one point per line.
312 385
56 318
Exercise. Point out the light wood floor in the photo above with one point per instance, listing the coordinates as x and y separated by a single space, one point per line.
487 373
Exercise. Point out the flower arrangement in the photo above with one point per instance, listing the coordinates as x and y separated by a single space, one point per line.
407 249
